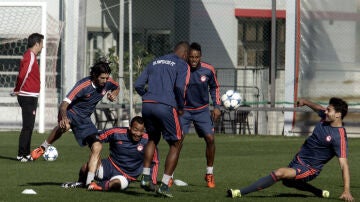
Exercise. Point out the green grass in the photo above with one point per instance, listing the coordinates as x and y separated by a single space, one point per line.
239 160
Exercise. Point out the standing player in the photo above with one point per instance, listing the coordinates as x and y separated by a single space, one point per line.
328 139
27 89
125 161
76 109
196 110
162 87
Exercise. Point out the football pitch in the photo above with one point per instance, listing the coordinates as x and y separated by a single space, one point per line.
240 160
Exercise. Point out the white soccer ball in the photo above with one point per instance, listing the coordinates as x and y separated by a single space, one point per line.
231 100
51 154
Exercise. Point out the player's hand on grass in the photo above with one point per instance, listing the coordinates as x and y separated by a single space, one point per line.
346 196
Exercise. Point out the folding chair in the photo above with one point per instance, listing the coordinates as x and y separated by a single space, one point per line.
105 116
241 120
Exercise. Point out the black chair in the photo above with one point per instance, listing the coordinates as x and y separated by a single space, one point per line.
242 121
227 121
105 116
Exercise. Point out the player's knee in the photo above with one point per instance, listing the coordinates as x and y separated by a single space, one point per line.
93 142
119 182
209 139
96 147
282 173
176 144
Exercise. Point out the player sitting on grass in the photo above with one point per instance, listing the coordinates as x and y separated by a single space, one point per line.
125 161
328 139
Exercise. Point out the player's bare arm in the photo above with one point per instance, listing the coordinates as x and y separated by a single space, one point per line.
316 107
64 123
346 195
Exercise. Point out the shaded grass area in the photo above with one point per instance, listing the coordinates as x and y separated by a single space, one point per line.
239 160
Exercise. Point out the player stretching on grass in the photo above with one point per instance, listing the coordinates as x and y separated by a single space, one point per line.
328 139
75 111
125 161
196 110
162 87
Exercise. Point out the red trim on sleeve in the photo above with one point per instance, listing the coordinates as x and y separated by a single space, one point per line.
342 143
78 89
212 69
109 132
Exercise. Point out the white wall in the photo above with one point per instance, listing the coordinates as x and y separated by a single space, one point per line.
259 4
216 23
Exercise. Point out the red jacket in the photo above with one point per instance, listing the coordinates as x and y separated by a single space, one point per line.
28 80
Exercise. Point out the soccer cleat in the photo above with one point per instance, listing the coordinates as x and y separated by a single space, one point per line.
24 159
94 187
210 180
234 193
164 191
36 153
146 183
325 194
67 185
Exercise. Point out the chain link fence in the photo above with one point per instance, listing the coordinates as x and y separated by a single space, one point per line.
239 47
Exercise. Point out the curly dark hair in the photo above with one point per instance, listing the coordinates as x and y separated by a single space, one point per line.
339 106
100 67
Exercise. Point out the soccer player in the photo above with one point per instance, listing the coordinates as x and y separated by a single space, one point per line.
328 139
196 110
75 111
27 90
162 86
125 161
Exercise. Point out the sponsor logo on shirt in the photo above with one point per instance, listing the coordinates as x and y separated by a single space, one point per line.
203 78
328 138
103 92
119 142
140 147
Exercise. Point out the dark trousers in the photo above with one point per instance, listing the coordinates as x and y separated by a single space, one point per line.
28 110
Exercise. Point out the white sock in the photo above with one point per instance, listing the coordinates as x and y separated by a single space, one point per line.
146 171
209 170
90 177
45 144
166 178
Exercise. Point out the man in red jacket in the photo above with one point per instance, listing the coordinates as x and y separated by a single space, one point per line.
27 90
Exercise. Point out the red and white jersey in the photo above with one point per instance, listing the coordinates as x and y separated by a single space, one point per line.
28 80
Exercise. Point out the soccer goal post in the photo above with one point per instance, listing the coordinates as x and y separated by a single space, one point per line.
18 21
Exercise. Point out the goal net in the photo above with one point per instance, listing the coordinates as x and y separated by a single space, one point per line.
18 21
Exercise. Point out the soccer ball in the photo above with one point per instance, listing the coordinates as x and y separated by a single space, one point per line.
231 100
51 154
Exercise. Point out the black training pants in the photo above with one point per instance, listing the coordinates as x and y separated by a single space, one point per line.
28 110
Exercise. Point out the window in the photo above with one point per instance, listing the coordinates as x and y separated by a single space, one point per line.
158 42
254 42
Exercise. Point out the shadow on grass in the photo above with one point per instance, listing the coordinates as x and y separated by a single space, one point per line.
43 184
285 195
294 195
8 158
